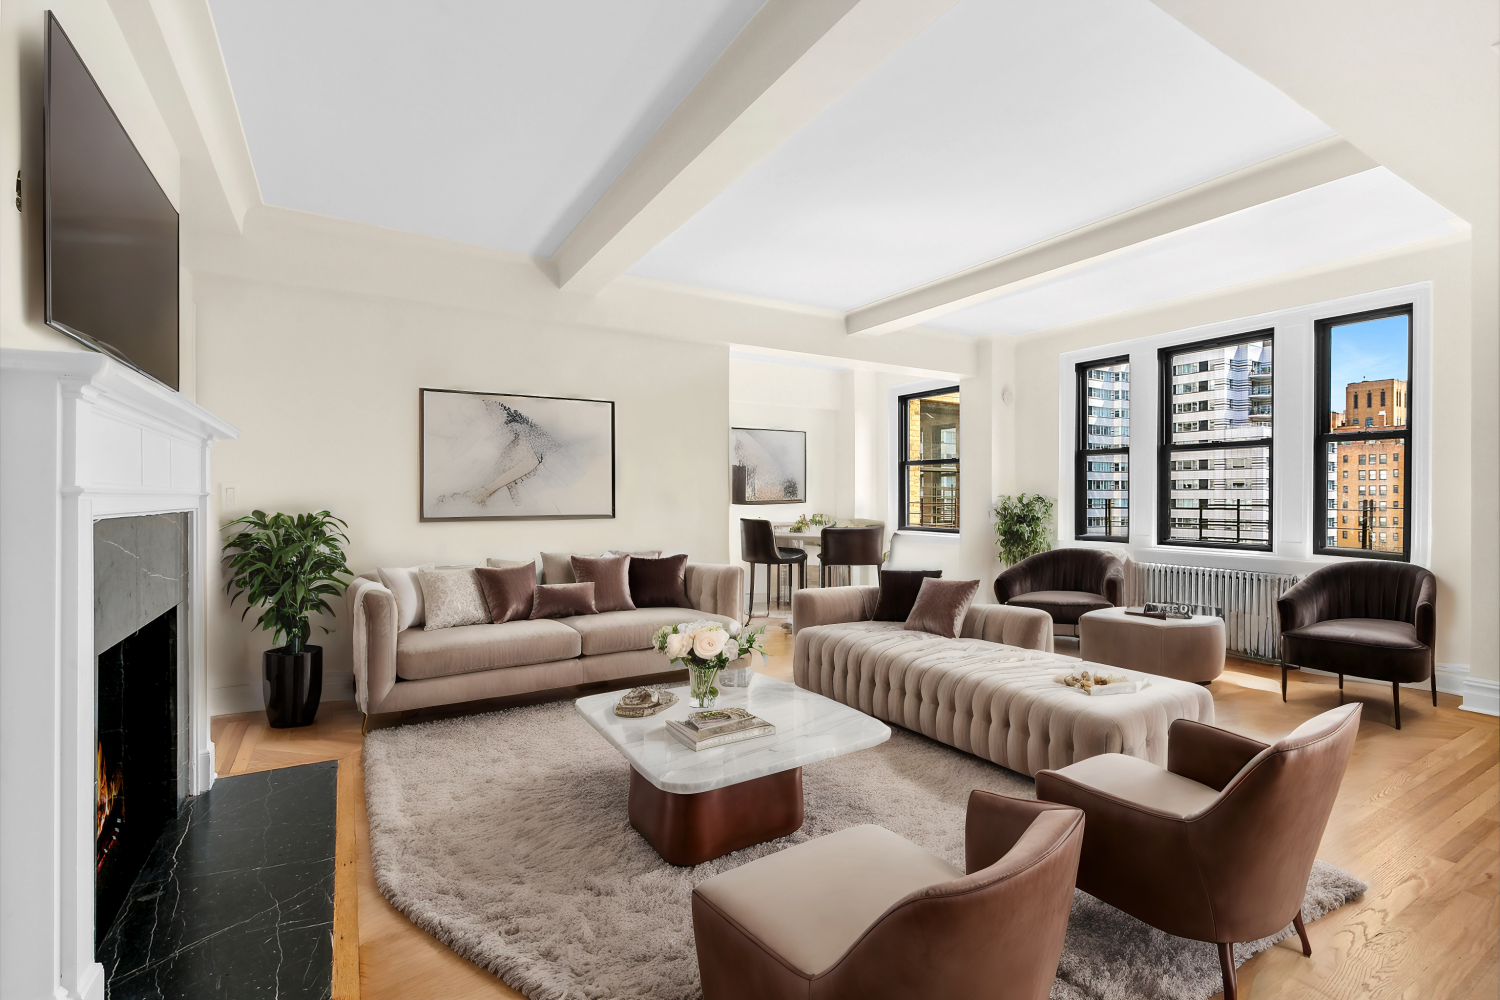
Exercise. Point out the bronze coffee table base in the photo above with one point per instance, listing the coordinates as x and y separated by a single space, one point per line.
692 829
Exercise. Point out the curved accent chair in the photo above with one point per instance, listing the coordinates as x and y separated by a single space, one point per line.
1363 618
861 546
1066 583
864 913
1219 846
758 546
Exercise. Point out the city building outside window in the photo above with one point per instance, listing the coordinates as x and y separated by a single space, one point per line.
929 460
1101 477
1363 371
1215 468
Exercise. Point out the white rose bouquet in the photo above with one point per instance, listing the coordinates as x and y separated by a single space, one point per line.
705 648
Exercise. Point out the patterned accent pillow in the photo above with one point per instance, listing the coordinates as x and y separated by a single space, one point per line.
452 598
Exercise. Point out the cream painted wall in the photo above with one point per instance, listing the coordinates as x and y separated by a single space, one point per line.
1444 262
323 386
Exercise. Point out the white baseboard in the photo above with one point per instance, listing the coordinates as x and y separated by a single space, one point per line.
1481 695
235 698
1451 678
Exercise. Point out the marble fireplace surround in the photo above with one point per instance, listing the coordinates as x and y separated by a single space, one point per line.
82 438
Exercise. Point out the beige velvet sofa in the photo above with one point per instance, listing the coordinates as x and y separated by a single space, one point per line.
989 692
415 668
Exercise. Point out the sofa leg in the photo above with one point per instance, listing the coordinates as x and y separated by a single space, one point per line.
1396 701
1302 933
1226 965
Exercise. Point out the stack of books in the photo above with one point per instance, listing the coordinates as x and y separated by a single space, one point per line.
714 728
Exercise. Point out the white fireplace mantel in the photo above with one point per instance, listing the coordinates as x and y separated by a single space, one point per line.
82 437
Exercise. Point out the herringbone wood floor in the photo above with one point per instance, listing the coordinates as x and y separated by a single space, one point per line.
1418 817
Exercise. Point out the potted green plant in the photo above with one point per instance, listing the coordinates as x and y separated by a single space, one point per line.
288 566
1023 526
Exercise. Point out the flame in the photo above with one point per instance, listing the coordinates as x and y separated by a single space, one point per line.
107 787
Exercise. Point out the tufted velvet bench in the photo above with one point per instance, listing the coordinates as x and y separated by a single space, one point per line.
995 701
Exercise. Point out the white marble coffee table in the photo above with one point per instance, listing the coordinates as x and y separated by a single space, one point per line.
696 805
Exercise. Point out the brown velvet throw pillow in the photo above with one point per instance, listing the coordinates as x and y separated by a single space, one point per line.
659 583
611 580
508 591
563 600
898 592
941 606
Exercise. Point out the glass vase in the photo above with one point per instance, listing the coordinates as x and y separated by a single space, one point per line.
701 690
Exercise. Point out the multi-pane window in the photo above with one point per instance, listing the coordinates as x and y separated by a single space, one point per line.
1102 468
1215 448
929 460
1363 435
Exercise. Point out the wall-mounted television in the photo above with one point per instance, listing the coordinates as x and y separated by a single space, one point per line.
111 231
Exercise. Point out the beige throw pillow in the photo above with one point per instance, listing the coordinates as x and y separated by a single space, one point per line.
557 567
403 583
941 606
509 563
452 598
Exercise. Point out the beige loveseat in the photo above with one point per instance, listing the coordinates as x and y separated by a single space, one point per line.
416 668
989 692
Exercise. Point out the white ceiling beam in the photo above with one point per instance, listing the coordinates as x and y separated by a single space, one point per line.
794 59
1318 163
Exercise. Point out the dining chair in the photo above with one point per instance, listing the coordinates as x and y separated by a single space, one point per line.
758 547
850 547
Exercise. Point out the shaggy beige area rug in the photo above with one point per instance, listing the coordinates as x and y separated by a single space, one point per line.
505 836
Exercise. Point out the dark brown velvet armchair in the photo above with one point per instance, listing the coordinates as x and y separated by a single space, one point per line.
1365 618
1219 846
864 914
1065 583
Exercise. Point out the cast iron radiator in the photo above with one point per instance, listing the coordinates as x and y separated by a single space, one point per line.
1251 625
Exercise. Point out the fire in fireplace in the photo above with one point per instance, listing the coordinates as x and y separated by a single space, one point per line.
108 784
140 781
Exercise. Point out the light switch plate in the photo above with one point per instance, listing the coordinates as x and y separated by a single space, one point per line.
231 496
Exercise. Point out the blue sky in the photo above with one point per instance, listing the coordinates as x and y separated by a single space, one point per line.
1360 352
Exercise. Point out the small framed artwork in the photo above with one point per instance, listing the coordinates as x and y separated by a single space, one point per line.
495 456
767 466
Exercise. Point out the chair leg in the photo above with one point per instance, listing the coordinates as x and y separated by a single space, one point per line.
750 595
1283 680
1396 701
1302 933
1434 689
1226 965
1341 689
769 567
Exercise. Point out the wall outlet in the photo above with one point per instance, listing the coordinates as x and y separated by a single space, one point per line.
231 497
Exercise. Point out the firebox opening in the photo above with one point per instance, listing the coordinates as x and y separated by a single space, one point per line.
137 791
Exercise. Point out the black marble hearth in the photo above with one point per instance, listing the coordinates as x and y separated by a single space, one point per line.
236 898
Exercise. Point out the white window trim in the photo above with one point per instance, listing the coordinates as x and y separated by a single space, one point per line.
893 481
1292 512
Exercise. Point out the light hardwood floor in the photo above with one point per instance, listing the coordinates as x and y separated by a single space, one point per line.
1418 817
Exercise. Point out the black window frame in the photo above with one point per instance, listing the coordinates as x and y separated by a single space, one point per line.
1082 454
1165 447
1323 435
906 463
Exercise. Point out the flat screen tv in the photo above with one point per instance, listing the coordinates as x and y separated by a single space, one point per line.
111 232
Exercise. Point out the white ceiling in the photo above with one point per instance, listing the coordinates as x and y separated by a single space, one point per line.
1005 123
1366 212
492 122
501 122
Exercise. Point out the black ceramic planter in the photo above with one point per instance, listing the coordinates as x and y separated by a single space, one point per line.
293 686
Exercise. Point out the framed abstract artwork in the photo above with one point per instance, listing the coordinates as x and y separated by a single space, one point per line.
492 455
767 466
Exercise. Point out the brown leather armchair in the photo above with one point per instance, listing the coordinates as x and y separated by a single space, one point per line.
1219 846
1065 583
864 913
1365 618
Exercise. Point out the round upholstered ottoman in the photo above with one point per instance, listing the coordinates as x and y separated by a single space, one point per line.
1189 649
